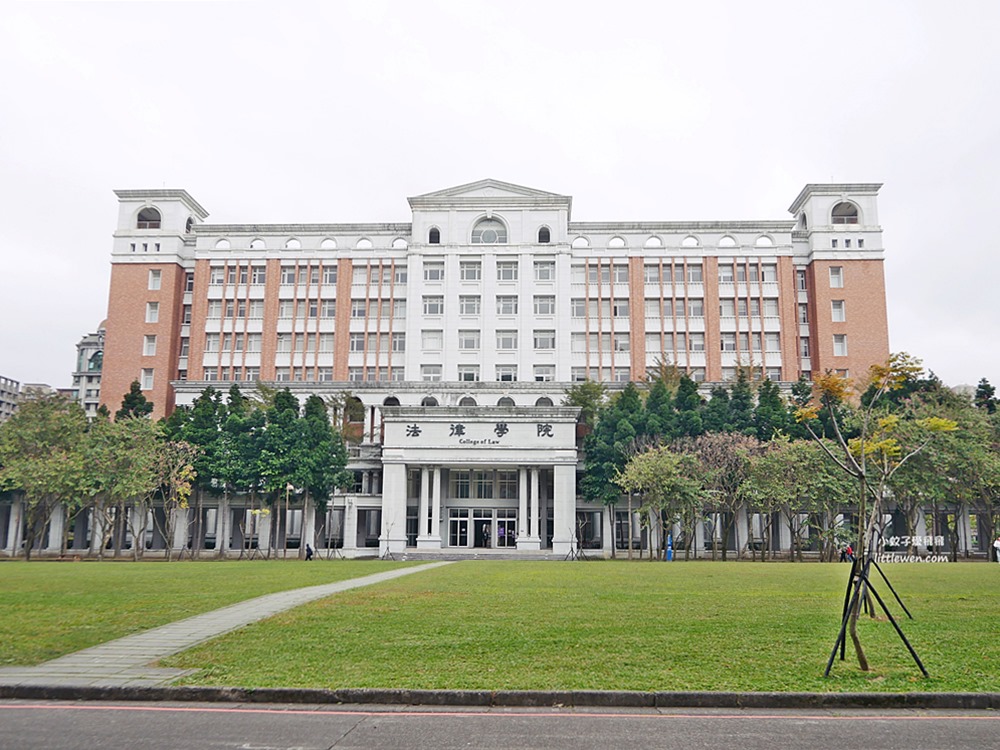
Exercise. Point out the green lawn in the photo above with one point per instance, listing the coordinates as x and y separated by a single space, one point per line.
48 609
524 625
616 625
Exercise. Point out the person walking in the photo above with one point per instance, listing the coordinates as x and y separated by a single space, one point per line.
309 553
996 546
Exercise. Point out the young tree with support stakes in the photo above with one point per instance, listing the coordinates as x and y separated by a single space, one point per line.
873 454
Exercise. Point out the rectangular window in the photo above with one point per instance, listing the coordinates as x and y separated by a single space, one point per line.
772 342
726 273
694 274
356 374
253 342
216 275
769 273
430 373
287 274
433 305
545 305
834 243
620 273
359 308
152 312
578 307
282 374
838 311
598 274
696 341
468 305
468 340
185 347
154 279
651 274
727 308
836 277
147 379
770 307
312 308
621 342
696 307
399 275
399 342
189 281
578 374
847 242
330 274
434 270
256 309
506 373
360 274
578 342
861 243
840 345
284 343
803 313
804 346
470 270
286 309
679 307
258 275
326 342
227 342
620 308
506 340
800 279
468 373
507 305
728 341
432 340
507 270
329 308
545 270
399 308
545 339
357 342
545 373
149 346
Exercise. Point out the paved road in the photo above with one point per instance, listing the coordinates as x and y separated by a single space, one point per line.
70 726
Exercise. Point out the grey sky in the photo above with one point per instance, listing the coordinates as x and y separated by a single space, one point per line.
306 112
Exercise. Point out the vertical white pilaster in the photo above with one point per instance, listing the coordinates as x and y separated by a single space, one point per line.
523 522
423 512
308 525
564 509
393 538
56 523
182 519
436 499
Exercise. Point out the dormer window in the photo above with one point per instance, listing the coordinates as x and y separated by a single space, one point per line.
149 218
489 232
845 213
434 236
544 236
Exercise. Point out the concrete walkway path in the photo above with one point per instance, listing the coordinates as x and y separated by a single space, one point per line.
125 662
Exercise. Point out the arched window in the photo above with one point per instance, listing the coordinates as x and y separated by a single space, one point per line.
544 236
505 401
391 401
293 244
188 225
489 232
429 401
727 241
467 401
222 245
96 362
616 242
364 244
690 241
399 244
434 236
257 244
803 221
544 401
328 244
581 242
654 241
845 213
764 241
149 218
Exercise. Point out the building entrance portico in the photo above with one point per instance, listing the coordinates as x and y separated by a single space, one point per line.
472 477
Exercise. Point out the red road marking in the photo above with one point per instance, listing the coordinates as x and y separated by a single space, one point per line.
501 712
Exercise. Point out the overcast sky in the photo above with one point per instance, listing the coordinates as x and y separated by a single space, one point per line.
336 112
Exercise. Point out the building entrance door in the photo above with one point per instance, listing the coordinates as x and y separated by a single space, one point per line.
482 527
458 527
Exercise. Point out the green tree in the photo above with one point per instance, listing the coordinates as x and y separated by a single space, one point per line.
590 397
741 405
689 407
771 417
42 456
985 397
715 417
134 403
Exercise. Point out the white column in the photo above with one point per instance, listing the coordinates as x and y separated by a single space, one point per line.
182 519
436 498
423 512
964 525
14 527
223 526
350 524
263 524
393 538
308 525
531 505
699 539
56 522
523 522
96 528
742 529
608 533
784 534
564 509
